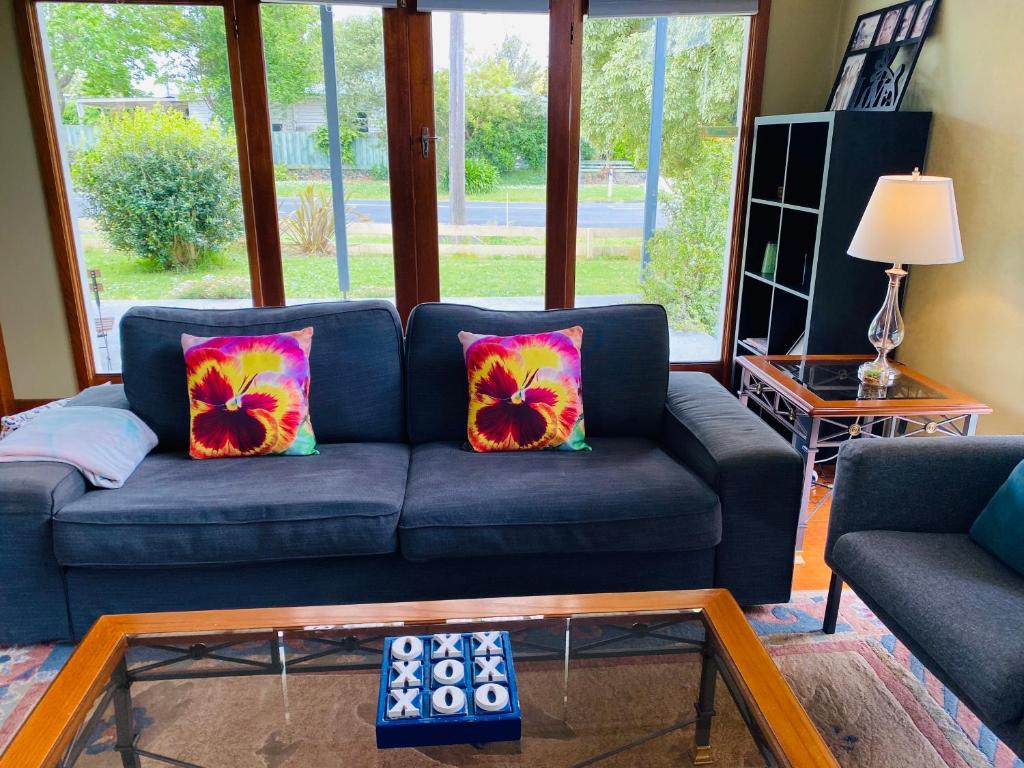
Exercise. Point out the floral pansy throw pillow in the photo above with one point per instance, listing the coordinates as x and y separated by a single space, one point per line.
249 395
524 391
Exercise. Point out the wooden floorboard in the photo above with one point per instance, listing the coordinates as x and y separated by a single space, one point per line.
812 573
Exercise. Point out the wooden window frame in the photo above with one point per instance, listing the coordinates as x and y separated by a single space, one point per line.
245 53
564 119
409 92
410 109
6 387
753 88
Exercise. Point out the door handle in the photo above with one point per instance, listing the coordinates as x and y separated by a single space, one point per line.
425 139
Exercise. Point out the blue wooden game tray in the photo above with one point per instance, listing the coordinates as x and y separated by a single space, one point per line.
471 667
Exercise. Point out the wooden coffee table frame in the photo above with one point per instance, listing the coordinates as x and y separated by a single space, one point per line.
782 722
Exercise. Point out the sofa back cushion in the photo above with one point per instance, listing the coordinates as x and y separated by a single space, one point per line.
625 365
355 365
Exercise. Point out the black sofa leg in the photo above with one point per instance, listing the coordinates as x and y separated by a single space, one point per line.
835 594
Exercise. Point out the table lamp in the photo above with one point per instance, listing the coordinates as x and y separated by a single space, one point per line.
909 220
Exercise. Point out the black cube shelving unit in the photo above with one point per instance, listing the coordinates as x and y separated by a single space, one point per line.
810 181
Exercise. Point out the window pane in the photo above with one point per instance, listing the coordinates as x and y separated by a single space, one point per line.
490 102
687 200
142 97
331 174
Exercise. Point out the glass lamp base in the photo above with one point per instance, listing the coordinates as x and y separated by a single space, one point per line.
877 373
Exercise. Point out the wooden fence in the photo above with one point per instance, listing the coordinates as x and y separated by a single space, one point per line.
293 149
470 239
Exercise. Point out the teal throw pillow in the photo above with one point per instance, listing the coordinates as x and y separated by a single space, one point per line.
1000 527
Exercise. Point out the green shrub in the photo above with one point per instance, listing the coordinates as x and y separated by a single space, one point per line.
282 172
379 172
586 150
161 186
688 255
481 176
348 136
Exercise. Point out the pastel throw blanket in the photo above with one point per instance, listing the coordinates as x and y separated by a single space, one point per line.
104 444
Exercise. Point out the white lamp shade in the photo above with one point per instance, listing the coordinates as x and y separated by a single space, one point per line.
910 220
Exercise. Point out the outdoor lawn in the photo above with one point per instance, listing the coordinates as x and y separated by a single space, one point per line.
225 276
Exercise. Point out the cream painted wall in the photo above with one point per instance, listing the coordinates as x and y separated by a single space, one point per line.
802 39
965 322
31 308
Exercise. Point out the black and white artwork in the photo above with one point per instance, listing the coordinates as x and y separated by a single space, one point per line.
881 56
865 33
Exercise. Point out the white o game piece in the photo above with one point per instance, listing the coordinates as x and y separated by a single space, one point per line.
449 700
404 704
491 697
449 672
407 648
446 647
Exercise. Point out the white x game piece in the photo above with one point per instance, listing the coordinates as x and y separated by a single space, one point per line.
407 673
487 670
404 704
487 644
446 647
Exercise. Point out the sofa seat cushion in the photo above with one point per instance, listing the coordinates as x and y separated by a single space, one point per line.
963 608
627 495
177 511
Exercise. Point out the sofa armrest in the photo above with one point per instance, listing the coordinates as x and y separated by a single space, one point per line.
756 474
937 485
33 603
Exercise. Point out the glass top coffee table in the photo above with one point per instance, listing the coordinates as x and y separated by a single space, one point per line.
651 679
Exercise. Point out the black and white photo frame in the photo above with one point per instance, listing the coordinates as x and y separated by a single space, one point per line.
881 56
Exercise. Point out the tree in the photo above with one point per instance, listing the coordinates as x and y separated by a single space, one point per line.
104 50
702 70
504 124
162 187
687 256
527 73
703 76
112 49
359 59
291 48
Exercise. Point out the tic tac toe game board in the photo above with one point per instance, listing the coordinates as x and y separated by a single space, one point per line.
447 689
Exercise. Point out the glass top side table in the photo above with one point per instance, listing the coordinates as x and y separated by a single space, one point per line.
820 404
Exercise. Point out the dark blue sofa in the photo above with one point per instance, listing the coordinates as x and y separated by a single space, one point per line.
684 487
898 536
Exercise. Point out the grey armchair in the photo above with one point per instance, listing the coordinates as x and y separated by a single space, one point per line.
898 536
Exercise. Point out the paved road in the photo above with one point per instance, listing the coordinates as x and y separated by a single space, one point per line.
618 215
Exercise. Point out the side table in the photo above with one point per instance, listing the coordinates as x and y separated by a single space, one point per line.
820 404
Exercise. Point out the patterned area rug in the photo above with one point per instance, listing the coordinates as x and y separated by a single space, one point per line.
871 699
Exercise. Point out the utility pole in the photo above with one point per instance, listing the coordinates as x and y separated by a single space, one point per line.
457 119
334 148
